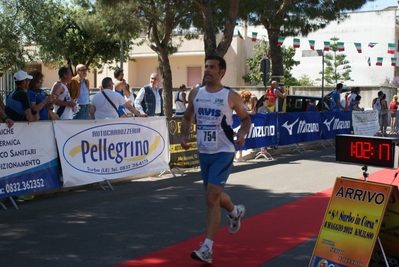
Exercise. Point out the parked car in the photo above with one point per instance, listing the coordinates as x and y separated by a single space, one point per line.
299 103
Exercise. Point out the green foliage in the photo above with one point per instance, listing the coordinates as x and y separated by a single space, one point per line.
11 41
293 18
305 80
261 51
53 32
337 67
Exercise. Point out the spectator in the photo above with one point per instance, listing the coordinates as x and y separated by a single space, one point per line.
129 97
79 88
149 99
252 104
265 106
345 101
39 100
246 97
312 106
120 88
376 104
393 107
354 105
181 101
64 105
6 119
272 93
18 106
384 115
335 104
105 103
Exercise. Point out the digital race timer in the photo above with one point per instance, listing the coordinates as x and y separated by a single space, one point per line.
367 150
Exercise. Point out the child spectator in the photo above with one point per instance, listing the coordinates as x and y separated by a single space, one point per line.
312 106
264 108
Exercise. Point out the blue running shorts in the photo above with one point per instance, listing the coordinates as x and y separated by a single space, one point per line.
216 168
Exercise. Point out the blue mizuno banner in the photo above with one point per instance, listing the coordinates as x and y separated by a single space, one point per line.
297 127
333 123
263 131
29 160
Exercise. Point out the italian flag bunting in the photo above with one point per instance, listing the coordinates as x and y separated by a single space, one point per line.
311 44
391 48
280 40
372 44
326 46
379 61
369 62
297 43
393 61
358 47
254 34
341 47
239 35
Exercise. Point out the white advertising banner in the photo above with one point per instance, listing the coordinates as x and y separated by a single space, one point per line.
365 122
93 150
28 159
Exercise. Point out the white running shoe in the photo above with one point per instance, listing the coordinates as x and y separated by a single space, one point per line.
235 223
203 254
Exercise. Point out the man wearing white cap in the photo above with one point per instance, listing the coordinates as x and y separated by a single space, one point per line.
18 105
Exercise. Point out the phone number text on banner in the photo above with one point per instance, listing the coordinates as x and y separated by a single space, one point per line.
91 151
29 161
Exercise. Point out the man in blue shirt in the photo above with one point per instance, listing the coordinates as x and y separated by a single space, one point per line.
335 104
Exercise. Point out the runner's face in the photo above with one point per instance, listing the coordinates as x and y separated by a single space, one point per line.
212 72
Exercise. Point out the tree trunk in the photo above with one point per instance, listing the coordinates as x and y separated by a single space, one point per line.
166 73
275 53
209 32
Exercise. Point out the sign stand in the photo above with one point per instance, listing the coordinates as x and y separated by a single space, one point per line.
366 175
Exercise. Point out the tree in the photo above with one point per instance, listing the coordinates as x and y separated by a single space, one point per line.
262 50
337 67
159 19
79 34
217 15
11 32
293 18
305 80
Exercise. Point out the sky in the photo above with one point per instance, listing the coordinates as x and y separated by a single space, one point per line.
378 5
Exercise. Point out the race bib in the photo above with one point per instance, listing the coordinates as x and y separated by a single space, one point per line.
207 137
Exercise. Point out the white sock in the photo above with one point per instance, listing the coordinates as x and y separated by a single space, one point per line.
209 243
234 212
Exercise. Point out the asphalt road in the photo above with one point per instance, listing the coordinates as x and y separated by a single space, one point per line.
91 227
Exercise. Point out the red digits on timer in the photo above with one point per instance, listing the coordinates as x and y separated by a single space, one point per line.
361 150
365 150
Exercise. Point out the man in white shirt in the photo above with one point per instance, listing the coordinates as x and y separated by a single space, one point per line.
103 108
149 99
64 105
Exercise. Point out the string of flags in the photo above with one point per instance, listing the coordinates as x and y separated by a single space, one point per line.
341 47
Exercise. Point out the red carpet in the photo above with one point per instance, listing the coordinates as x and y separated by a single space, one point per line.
261 238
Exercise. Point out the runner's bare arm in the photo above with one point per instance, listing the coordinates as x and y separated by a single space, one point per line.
187 120
236 103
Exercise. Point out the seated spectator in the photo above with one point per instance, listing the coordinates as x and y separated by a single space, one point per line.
105 103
